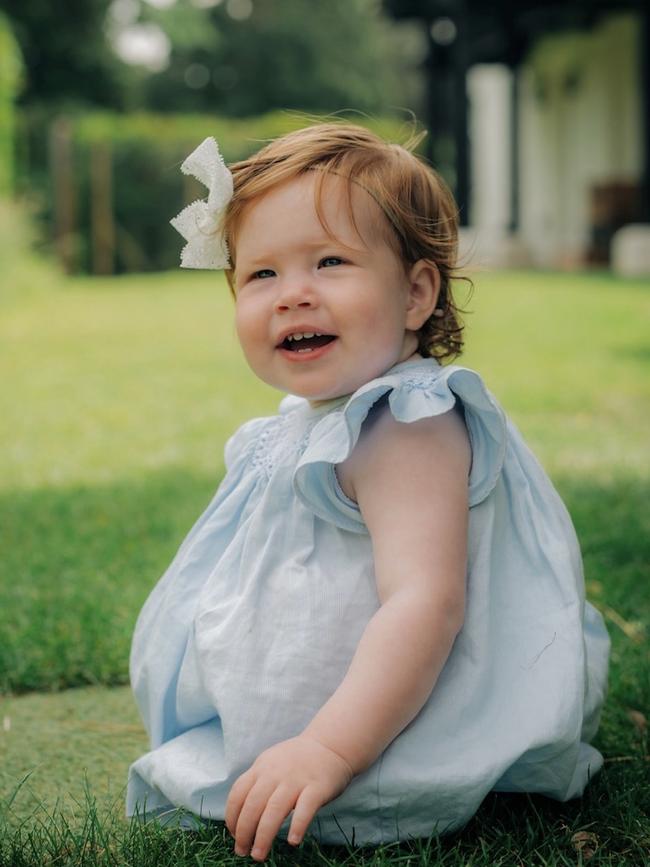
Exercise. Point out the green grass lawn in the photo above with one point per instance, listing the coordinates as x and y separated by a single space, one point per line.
117 398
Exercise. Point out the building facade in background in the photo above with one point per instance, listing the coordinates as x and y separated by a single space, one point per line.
577 175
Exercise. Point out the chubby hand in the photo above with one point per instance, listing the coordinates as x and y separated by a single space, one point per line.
298 774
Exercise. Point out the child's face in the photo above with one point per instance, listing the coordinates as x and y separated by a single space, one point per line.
292 278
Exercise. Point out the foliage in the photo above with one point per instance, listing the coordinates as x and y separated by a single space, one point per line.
67 56
299 54
11 70
313 55
25 270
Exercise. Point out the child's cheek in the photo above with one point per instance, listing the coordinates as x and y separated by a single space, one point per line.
248 334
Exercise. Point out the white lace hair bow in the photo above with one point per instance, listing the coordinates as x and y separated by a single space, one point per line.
200 222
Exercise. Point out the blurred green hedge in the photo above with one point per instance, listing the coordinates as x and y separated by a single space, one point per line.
11 72
24 270
134 161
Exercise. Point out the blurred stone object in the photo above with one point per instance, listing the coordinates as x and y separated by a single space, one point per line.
614 204
630 251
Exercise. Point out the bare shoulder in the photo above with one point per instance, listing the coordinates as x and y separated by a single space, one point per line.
387 446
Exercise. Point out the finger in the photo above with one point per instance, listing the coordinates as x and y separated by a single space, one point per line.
306 807
249 817
276 811
236 797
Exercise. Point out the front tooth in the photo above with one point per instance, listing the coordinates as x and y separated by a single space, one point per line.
299 335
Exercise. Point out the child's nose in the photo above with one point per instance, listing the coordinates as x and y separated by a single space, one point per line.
294 294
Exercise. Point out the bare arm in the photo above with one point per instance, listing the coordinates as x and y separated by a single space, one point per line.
411 485
410 481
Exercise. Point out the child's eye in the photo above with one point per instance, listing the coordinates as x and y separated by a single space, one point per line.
263 274
329 261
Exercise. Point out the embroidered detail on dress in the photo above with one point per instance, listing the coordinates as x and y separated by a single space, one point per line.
416 382
283 435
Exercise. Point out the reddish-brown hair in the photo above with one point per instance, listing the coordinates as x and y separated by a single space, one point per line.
416 201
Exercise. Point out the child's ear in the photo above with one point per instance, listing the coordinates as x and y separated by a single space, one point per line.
424 288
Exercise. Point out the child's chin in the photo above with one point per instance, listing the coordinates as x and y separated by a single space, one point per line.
320 397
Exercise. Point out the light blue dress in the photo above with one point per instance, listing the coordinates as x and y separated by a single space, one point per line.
254 625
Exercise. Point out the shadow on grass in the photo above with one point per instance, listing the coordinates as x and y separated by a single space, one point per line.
639 353
77 564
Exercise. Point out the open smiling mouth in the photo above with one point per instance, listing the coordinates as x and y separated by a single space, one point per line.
307 342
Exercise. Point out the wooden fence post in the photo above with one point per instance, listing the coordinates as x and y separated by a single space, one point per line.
61 172
101 208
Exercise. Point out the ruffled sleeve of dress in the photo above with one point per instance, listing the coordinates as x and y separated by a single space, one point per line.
414 390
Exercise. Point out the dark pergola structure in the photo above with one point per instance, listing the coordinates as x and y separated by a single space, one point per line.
462 33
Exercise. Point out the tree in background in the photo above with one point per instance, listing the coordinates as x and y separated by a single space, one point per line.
11 74
66 53
231 57
244 57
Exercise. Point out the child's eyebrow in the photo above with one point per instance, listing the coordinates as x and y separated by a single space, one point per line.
322 244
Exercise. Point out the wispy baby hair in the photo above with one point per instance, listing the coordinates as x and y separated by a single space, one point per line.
416 201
